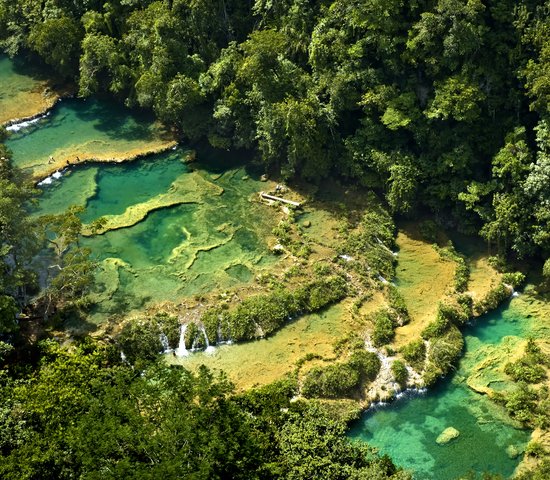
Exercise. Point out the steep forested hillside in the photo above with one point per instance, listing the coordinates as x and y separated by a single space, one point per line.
440 104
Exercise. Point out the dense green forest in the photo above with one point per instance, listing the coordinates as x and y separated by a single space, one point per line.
439 104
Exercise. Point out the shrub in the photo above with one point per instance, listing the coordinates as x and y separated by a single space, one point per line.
366 363
530 367
522 404
321 293
462 274
383 332
343 379
535 449
322 269
331 382
515 279
397 302
452 313
192 335
442 353
139 338
415 354
400 372
466 302
211 321
270 311
493 299
436 328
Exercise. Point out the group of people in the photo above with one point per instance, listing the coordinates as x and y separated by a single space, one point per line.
51 160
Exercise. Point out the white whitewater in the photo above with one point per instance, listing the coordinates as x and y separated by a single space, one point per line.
181 351
165 344
209 349
54 176
26 123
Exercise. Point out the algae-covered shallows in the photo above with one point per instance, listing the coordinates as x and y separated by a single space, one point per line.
192 246
24 93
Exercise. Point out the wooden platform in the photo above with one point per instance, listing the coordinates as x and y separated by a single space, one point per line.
266 196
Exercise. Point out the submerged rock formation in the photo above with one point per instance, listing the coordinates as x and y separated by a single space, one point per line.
450 433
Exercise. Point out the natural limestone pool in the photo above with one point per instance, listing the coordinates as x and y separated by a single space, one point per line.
173 231
489 441
79 130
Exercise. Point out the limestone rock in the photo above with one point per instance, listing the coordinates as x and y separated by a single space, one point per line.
447 435
513 451
307 224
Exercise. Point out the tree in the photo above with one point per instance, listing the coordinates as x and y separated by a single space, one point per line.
57 41
70 274
16 248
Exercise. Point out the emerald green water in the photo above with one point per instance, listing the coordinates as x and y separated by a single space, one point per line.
207 235
84 129
217 242
98 187
407 429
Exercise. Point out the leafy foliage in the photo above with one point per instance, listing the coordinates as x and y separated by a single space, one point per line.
82 413
342 379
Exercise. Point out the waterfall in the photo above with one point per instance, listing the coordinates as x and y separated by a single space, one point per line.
208 349
15 127
164 342
123 357
181 351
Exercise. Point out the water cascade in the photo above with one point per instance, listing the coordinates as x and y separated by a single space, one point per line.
209 348
181 351
407 429
15 127
165 344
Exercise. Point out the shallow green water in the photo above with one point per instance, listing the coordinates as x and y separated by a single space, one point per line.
213 242
407 429
20 90
83 129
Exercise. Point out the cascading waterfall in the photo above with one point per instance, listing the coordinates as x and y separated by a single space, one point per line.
165 344
181 351
209 349
15 127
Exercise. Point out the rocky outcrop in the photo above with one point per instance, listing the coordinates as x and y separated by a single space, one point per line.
450 433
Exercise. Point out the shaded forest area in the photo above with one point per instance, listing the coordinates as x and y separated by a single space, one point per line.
439 104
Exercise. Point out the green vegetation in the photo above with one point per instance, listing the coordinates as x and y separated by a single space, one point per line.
415 354
462 273
254 317
400 373
443 351
493 299
384 325
369 243
440 107
531 367
440 104
342 379
80 412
